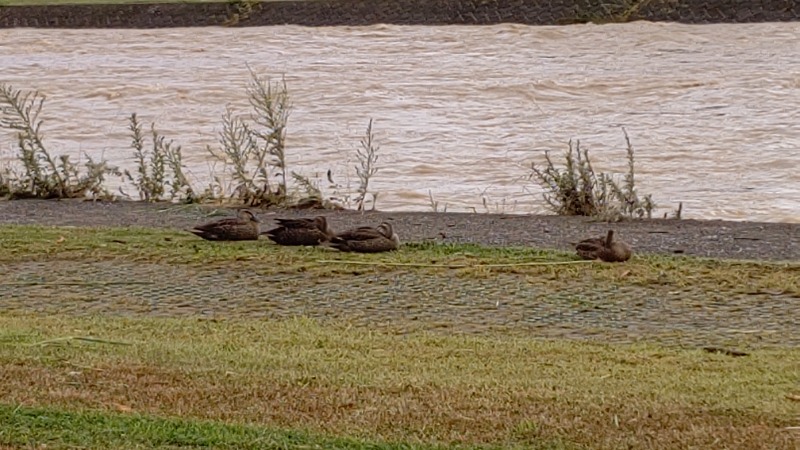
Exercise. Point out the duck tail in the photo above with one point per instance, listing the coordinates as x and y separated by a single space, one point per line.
271 233
338 243
200 233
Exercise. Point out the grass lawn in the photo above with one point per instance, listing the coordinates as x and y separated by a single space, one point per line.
103 381
39 243
70 429
226 379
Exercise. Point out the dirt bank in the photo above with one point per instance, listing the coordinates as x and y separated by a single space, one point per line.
401 12
708 238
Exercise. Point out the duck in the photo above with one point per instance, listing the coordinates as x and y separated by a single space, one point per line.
245 227
300 231
604 249
367 239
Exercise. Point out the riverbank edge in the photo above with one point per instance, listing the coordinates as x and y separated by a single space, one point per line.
721 239
319 13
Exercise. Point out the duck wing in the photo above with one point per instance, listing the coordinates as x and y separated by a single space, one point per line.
345 240
363 240
296 236
357 234
374 245
296 223
227 230
218 225
590 248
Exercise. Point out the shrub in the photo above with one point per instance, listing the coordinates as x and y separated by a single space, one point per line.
576 190
252 150
160 173
44 176
255 150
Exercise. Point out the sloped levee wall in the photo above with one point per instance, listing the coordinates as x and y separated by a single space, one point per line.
402 12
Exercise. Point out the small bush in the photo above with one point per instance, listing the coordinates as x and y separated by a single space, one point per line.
44 176
576 190
239 10
255 150
160 174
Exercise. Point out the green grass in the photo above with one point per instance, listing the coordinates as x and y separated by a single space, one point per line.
30 243
333 380
56 429
39 243
194 382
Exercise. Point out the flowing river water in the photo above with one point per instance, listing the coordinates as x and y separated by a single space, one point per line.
459 112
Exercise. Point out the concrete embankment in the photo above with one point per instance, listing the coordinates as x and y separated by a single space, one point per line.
401 12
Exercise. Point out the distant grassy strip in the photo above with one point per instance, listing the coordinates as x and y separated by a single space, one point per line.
113 2
99 2
117 2
340 381
57 429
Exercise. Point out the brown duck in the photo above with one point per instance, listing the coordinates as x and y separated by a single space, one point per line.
243 228
367 239
300 231
606 249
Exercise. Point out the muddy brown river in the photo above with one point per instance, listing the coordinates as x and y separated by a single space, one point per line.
459 112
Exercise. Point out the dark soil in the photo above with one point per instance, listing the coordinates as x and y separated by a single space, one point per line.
706 238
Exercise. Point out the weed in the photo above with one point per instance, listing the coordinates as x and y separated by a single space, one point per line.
310 194
256 150
367 159
435 203
238 149
491 206
241 11
367 156
618 11
577 190
160 171
253 150
43 175
677 212
497 207
271 109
